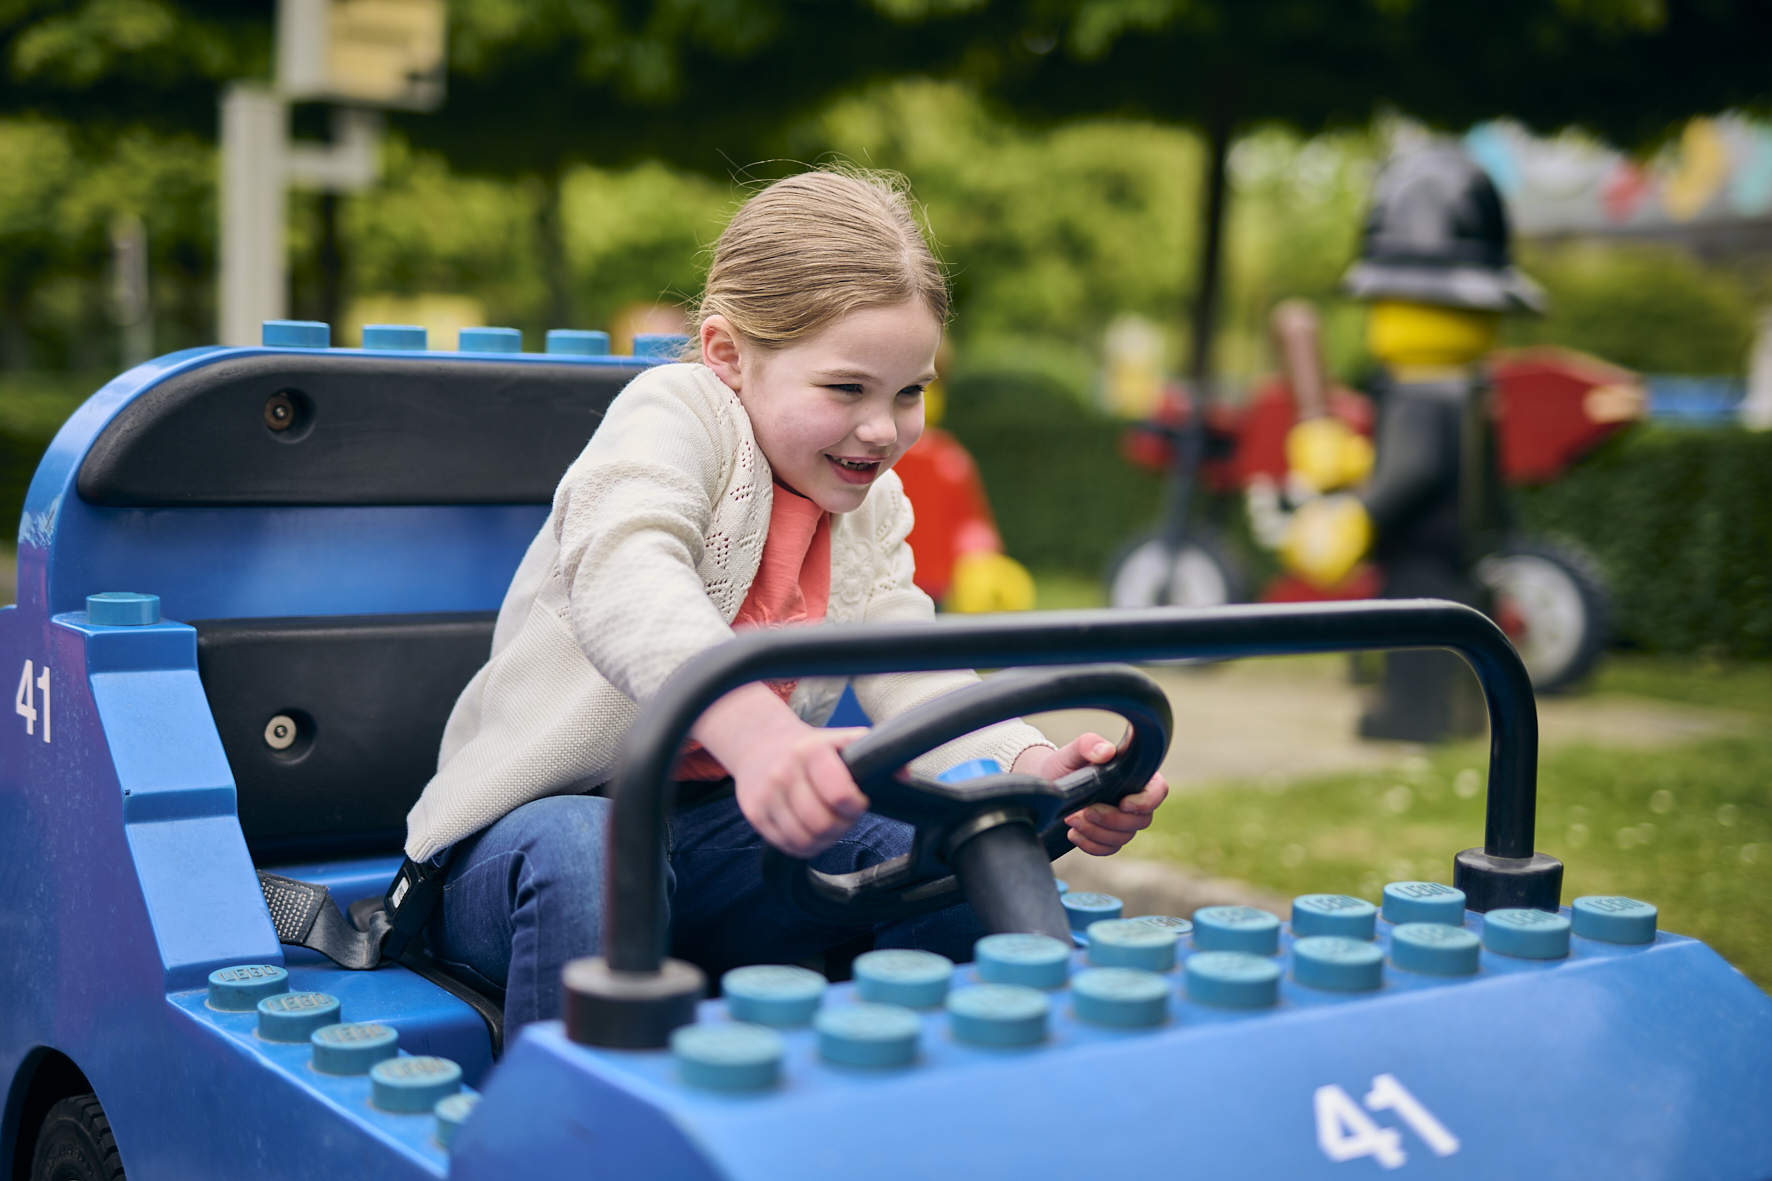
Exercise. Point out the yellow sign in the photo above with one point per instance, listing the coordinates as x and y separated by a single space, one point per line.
380 53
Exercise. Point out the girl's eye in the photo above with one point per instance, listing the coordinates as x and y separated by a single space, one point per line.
911 391
847 388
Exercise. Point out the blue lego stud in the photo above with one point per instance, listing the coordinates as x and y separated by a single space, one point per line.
296 334
1168 922
412 1084
1130 943
867 1034
901 976
727 1055
1526 934
405 338
970 769
662 346
1126 997
352 1048
1232 979
239 989
1423 902
1237 928
574 342
1037 961
1337 963
294 1016
998 1015
772 994
452 1112
1083 907
1611 919
1333 914
122 609
489 340
1064 887
1434 949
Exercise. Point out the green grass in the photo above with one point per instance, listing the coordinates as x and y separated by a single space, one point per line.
1688 827
34 404
1062 591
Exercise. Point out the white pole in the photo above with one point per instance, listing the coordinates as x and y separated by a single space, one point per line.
254 287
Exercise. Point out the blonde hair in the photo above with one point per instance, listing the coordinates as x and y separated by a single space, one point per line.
814 247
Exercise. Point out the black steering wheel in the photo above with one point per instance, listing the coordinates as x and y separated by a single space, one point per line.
989 840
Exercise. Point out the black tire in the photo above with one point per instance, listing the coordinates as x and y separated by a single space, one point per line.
1553 599
76 1144
1205 574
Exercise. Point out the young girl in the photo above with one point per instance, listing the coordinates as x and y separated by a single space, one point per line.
751 489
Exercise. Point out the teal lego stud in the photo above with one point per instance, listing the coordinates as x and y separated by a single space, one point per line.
901 976
772 994
1236 928
296 334
661 346
1132 943
1611 919
1168 922
1064 887
1083 907
727 1055
122 609
575 342
1423 902
1434 949
1526 934
352 1048
998 1015
1124 997
294 1016
1337 963
1333 914
404 338
1232 979
412 1084
867 1034
239 989
489 340
452 1112
1037 961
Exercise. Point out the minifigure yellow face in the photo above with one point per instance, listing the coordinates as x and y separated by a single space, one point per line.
1399 333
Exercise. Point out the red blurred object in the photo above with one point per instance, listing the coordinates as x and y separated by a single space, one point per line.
1270 413
953 516
1364 583
1553 406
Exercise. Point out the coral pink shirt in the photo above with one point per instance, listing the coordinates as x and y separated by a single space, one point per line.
793 585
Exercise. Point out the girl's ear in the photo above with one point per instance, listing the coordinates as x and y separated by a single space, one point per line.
720 352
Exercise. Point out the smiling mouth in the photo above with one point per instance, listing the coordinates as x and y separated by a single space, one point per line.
856 471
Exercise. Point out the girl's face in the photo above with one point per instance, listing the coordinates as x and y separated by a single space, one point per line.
835 411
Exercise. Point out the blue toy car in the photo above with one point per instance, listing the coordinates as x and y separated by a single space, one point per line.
333 531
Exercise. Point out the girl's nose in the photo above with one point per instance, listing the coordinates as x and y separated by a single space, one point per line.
877 430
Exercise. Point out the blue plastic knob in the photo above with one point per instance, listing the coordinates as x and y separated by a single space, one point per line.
296 334
1232 979
1131 943
1084 907
1037 961
352 1048
1168 922
122 609
1125 997
727 1055
998 1015
452 1112
901 976
665 346
406 338
412 1084
970 769
489 340
1338 963
1236 928
1526 934
239 989
1434 949
1333 914
1064 887
1423 902
294 1016
577 342
1611 919
772 994
867 1034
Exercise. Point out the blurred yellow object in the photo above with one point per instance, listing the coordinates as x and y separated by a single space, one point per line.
1399 333
1327 454
986 582
935 403
1326 539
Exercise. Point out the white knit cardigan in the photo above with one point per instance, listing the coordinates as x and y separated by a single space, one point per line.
656 532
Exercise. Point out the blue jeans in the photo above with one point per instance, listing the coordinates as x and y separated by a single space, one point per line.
526 895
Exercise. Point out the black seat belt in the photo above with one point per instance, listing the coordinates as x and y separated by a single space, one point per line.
305 915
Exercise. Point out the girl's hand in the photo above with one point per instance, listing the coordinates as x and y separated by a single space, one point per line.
791 783
1099 829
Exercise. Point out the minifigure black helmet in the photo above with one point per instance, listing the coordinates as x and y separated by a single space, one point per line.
1437 234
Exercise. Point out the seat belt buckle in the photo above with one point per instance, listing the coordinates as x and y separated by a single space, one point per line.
409 901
